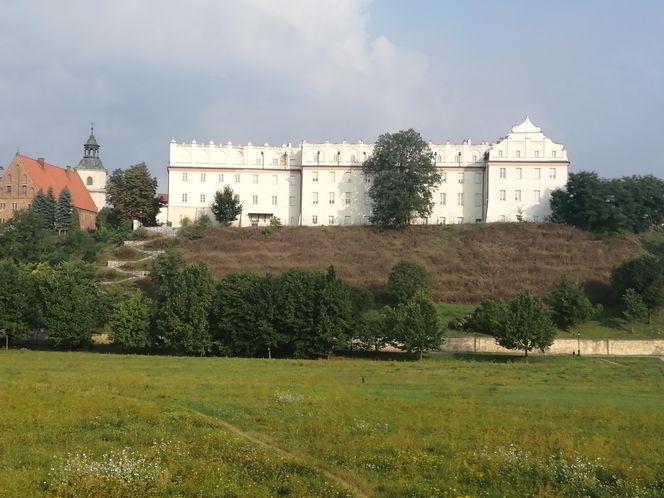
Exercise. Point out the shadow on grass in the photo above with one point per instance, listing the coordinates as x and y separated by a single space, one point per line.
483 357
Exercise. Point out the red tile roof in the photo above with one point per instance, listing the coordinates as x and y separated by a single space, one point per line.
50 176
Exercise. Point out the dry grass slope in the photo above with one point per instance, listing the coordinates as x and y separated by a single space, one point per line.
467 263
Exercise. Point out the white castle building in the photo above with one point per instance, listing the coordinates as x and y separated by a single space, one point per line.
317 184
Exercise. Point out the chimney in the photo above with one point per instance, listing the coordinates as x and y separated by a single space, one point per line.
40 160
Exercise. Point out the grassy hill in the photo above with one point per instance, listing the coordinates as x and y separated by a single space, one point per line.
467 263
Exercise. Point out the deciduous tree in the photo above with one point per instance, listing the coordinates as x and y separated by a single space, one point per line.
406 279
131 320
569 304
133 194
414 326
402 174
645 275
226 206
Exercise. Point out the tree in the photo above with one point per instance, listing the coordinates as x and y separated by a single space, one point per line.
226 206
645 275
569 305
406 279
371 332
63 211
43 205
414 326
14 306
133 194
183 310
130 323
635 308
402 173
524 323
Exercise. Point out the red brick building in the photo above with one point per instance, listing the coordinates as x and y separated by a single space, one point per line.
25 176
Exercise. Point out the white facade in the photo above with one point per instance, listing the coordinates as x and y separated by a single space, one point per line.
95 182
323 184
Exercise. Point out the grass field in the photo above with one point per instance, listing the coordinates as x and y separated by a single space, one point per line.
83 424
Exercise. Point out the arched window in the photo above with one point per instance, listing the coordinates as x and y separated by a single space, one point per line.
88 181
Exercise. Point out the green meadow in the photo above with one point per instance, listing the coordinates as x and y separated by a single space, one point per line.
86 424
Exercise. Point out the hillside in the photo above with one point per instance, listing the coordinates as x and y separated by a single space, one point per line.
467 263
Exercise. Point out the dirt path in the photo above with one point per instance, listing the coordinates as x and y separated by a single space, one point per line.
265 443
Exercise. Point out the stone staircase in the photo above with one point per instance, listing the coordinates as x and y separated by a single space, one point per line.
132 274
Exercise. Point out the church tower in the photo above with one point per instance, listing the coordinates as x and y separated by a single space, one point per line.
92 172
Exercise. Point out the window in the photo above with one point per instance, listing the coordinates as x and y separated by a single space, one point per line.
518 153
330 220
502 195
459 220
202 198
443 198
254 200
291 200
554 153
538 173
237 178
346 220
503 172
460 199
259 160
474 159
517 195
552 172
519 173
478 177
184 197
443 177
275 161
442 220
254 179
314 176
478 200
275 179
500 153
274 200
538 195
202 177
439 158
315 197
347 176
88 181
367 179
503 218
460 177
3 206
185 176
347 199
353 158
14 206
24 189
221 178
332 180
314 220
331 198
537 153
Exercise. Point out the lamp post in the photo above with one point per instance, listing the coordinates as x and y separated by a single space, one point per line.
578 343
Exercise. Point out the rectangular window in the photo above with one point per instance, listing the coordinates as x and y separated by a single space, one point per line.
331 199
478 200
332 180
503 172
274 200
202 177
184 197
460 178
554 153
259 160
500 153
503 218
315 197
518 153
538 173
221 178
291 200
14 206
314 176
443 198
537 153
314 220
347 176
24 189
202 198
254 179
517 195
443 177
459 220
538 196
519 173
275 161
347 198
478 177
503 195
460 199
254 200
442 220
330 220
237 178
353 159
185 176
552 172
346 220
275 179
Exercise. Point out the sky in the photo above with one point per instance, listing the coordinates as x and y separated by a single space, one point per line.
590 73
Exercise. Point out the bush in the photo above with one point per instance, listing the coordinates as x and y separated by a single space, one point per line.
406 279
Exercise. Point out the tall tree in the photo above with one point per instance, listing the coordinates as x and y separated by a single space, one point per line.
569 304
402 174
130 323
406 279
63 211
43 205
226 206
414 325
14 306
133 194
